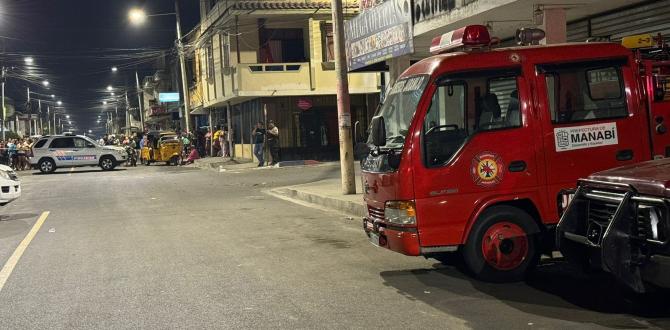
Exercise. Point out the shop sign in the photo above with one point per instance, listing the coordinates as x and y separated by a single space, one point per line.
304 104
168 97
157 110
426 9
378 34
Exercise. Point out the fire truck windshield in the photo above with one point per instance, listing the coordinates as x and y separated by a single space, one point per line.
399 107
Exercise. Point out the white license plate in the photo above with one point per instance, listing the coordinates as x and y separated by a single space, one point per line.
374 239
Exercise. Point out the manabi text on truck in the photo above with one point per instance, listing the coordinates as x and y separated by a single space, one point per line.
471 149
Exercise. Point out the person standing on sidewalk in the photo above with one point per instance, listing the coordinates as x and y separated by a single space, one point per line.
273 142
216 140
259 139
224 143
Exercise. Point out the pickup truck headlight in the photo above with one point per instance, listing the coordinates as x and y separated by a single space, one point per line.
657 221
400 212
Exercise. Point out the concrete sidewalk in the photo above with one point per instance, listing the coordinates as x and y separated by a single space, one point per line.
218 163
221 163
325 194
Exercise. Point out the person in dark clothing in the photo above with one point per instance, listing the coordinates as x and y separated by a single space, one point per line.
259 140
272 134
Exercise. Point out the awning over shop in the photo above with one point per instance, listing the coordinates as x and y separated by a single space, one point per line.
199 111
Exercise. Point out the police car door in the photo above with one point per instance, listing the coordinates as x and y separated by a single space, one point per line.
84 152
589 121
61 149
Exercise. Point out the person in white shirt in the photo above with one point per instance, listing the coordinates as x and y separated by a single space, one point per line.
273 142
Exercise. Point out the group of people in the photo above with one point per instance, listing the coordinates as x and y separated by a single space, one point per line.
219 141
265 142
16 153
266 136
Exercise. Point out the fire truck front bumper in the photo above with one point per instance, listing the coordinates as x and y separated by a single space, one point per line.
400 239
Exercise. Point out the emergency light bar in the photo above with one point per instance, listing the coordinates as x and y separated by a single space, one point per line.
471 36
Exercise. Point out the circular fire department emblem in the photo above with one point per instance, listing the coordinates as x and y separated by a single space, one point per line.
487 169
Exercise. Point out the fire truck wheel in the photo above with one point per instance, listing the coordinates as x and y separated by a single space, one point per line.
502 245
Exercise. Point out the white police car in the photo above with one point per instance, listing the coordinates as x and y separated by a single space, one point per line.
10 186
52 152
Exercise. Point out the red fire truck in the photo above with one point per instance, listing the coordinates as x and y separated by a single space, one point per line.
473 148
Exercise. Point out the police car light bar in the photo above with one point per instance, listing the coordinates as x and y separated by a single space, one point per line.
471 36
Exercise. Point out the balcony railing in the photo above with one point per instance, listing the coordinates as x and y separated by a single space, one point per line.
273 77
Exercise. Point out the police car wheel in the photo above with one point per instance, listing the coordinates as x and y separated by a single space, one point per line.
47 165
502 245
107 163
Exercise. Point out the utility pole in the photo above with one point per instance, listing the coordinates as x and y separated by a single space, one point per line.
139 101
128 121
4 111
182 64
343 110
116 122
39 114
30 115
49 120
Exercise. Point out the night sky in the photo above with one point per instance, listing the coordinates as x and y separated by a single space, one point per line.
75 43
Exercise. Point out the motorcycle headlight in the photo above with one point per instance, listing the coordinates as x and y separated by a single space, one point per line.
400 212
656 222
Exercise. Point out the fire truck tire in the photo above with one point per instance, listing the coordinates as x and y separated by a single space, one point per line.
502 245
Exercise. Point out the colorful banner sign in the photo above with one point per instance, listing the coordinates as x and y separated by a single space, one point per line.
378 34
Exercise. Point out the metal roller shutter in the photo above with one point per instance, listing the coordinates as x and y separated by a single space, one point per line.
649 17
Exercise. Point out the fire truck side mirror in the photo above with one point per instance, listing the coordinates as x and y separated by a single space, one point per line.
378 131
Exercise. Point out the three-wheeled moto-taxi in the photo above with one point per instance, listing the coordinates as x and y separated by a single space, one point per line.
162 146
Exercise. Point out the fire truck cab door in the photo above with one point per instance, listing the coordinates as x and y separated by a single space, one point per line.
477 144
591 121
657 85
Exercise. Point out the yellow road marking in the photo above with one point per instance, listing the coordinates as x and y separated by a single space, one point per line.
8 268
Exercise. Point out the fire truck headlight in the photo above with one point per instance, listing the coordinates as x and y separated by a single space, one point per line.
657 222
400 212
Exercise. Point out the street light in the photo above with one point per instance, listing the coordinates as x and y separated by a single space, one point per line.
103 103
53 96
28 60
67 116
110 88
114 69
59 103
137 16
45 83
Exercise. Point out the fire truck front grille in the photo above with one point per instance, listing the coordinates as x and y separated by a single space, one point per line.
376 213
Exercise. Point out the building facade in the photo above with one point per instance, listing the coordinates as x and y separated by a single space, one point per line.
273 61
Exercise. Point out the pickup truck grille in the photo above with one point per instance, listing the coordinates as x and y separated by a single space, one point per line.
602 205
601 212
376 213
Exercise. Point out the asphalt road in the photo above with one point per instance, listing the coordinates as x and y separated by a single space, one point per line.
166 247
